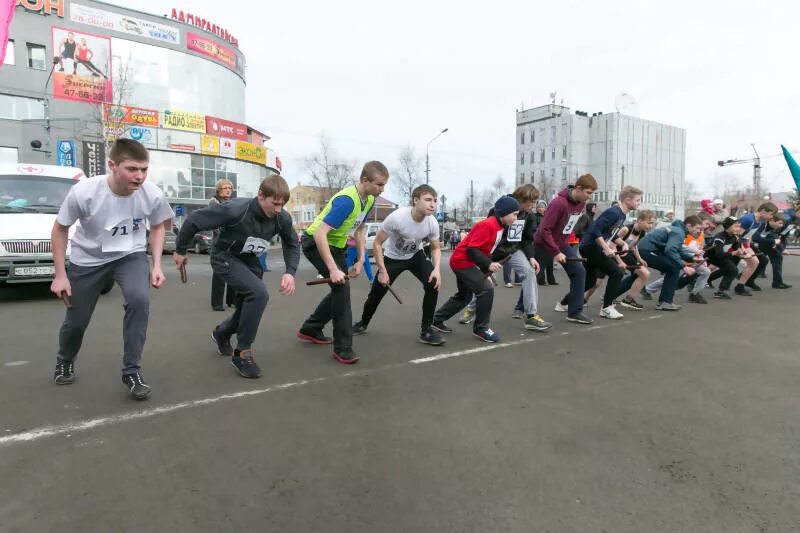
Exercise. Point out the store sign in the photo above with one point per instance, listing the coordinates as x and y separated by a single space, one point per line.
205 25
83 62
65 156
226 128
209 144
123 114
183 120
94 158
227 148
147 136
124 24
251 152
179 141
45 7
211 49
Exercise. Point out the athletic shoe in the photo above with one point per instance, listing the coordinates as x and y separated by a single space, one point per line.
244 363
579 318
537 323
781 286
218 308
611 312
517 313
136 385
552 283
666 306
432 337
697 299
752 286
65 372
223 344
441 327
741 290
317 337
467 316
347 357
359 328
645 295
561 308
487 335
630 302
722 295
509 285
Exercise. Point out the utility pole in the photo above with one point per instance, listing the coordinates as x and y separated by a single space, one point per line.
428 156
622 181
471 201
756 172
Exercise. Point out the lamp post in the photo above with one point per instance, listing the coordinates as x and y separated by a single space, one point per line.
428 158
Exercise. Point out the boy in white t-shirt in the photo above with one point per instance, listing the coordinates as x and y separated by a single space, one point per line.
109 245
399 247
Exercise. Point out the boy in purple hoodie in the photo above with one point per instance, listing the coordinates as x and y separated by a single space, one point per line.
552 236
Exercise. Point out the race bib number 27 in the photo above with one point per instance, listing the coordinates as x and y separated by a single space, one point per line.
254 245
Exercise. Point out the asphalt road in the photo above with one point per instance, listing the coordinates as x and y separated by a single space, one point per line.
660 422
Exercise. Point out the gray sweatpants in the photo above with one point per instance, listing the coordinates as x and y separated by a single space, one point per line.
132 274
703 273
251 298
530 288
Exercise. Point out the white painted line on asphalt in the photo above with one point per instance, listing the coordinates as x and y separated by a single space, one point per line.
16 363
68 429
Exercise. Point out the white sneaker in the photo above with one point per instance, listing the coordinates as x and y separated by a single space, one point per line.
509 285
611 312
561 308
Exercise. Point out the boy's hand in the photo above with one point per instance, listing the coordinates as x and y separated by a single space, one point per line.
436 275
560 258
287 284
383 278
61 285
157 277
495 267
337 276
535 265
355 270
180 260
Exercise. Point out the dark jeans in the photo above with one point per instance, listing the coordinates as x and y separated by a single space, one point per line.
776 258
421 268
218 290
545 261
599 265
251 298
666 266
335 305
577 281
470 281
726 269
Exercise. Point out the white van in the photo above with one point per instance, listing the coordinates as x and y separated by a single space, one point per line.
30 196
371 230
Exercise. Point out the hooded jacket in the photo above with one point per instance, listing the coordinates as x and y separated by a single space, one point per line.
667 241
558 223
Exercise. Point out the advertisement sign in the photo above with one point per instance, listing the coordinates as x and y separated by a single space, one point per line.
227 147
179 141
66 153
124 24
122 114
212 49
83 67
94 158
251 152
183 120
209 144
45 7
147 136
226 128
204 24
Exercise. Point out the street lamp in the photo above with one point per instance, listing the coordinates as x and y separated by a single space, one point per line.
428 158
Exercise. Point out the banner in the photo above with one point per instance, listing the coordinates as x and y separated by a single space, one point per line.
794 168
124 24
6 14
122 114
209 144
65 155
179 141
147 136
227 148
94 158
212 49
183 120
226 128
82 66
251 152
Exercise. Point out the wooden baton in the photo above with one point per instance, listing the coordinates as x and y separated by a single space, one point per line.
66 299
184 277
490 275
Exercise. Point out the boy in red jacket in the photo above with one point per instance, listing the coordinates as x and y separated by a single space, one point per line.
471 262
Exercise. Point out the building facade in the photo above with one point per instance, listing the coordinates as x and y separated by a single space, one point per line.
79 74
554 146
307 201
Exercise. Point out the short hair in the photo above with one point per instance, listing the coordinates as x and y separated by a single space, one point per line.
526 193
629 191
768 206
703 216
422 189
586 181
128 150
692 220
373 169
274 187
223 182
646 214
779 217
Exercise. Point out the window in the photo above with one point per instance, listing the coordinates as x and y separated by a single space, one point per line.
563 173
541 156
8 155
37 56
522 158
553 153
9 59
521 179
564 151
541 173
552 173
553 133
20 108
522 138
533 135
533 176
297 197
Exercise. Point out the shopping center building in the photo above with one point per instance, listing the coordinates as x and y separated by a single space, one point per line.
78 74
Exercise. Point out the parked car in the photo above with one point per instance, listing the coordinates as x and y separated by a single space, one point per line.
371 229
169 240
201 242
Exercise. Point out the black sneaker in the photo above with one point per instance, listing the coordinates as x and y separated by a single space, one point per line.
317 337
432 337
224 347
741 290
441 327
697 299
631 303
645 295
722 295
781 286
752 286
65 372
136 385
580 318
245 365
487 335
347 357
359 328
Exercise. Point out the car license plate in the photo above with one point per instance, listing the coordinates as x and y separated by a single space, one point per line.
34 271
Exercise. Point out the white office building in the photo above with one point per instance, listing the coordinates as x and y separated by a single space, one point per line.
555 146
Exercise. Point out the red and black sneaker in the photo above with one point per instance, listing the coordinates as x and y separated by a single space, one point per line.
347 357
317 337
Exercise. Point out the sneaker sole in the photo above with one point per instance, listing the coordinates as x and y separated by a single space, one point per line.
631 307
463 321
213 340
484 339
431 343
315 340
612 317
243 374
64 381
579 321
668 309
140 396
352 361
538 328
559 310
440 330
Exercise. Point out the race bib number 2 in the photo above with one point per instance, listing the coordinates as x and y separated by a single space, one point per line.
254 245
570 225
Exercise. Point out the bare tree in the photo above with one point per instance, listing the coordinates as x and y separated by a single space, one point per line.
484 201
499 186
547 188
109 117
407 176
326 169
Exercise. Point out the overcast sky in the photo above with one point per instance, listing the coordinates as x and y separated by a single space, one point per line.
375 76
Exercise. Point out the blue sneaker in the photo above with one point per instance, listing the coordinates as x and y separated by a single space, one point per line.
224 347
245 365
487 335
441 327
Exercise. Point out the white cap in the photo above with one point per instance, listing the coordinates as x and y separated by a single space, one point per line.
717 201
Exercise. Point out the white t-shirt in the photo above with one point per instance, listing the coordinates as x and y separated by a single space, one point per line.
405 235
110 226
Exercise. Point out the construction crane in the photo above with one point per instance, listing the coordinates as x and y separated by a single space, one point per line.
756 161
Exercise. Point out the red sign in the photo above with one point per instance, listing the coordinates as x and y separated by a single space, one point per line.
226 128
204 24
209 48
45 7
123 114
84 66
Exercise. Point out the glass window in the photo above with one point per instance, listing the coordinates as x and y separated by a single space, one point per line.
533 135
211 180
563 173
541 155
553 133
541 173
197 161
36 56
8 155
522 138
9 58
564 151
197 177
552 173
208 163
20 108
522 158
553 153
